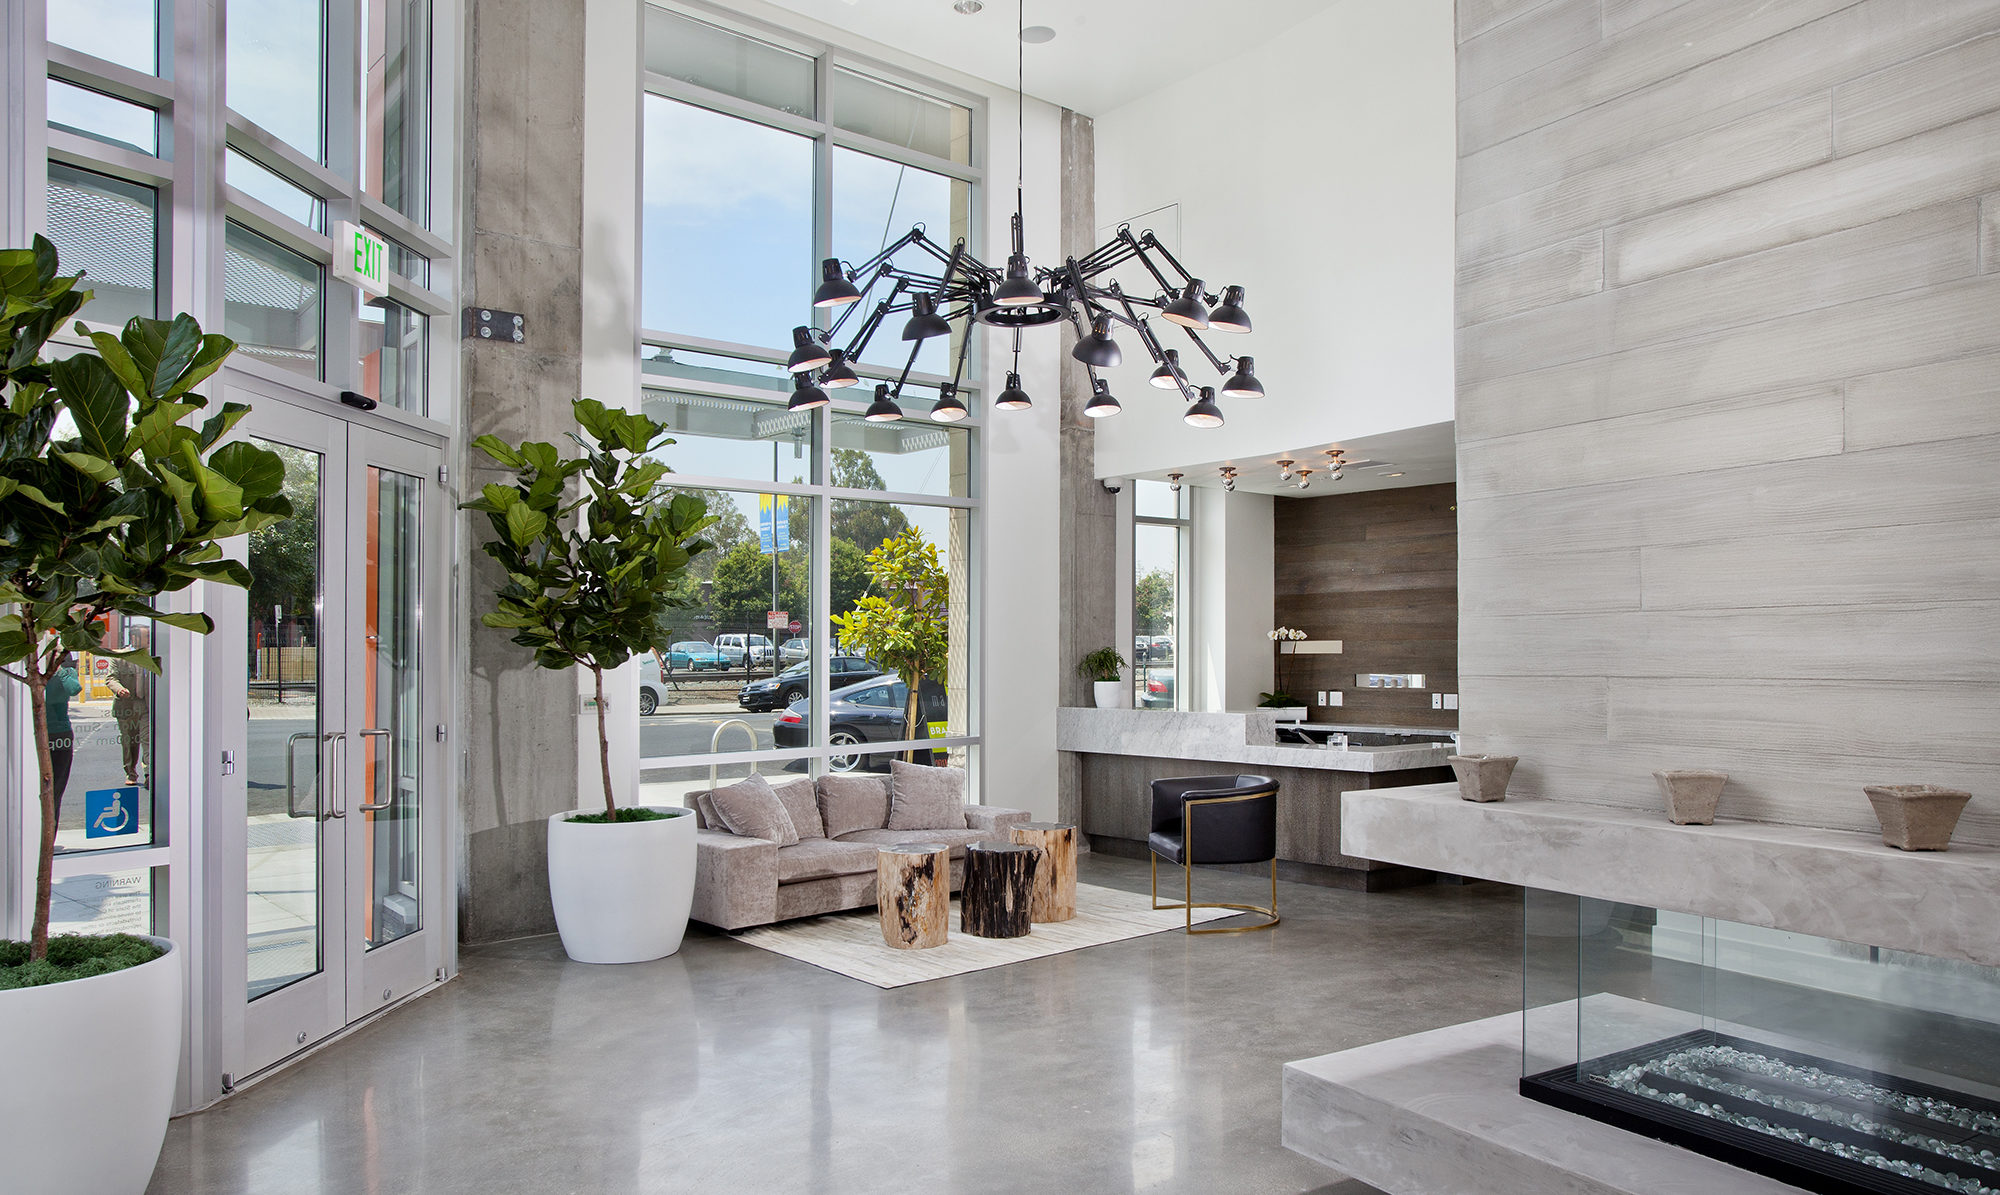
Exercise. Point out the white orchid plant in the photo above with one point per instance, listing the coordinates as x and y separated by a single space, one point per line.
1281 698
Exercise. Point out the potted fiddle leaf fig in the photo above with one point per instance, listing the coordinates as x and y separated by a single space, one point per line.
594 548
110 498
1104 669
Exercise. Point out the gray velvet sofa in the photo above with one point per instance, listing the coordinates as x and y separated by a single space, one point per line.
742 881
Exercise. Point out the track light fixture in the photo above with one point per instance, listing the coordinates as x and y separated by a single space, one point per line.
1228 479
884 408
950 285
1285 469
1101 402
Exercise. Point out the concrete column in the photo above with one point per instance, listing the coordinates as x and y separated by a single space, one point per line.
1088 574
523 251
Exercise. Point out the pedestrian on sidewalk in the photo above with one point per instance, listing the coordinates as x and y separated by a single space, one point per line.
132 704
62 736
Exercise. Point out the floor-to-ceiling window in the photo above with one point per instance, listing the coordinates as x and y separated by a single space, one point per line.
1160 545
209 156
764 155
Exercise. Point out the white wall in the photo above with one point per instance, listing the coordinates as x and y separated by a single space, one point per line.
1317 171
1233 599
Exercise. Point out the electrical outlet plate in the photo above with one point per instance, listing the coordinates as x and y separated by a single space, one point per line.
1437 701
1451 701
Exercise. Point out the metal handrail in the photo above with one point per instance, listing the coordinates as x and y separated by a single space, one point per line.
716 738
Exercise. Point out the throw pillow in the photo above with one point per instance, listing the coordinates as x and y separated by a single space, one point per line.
704 807
750 809
850 803
802 805
924 798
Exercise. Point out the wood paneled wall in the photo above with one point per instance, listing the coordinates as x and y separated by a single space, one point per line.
1729 398
1379 571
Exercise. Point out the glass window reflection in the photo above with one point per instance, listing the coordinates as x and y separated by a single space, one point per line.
108 228
271 301
126 32
276 69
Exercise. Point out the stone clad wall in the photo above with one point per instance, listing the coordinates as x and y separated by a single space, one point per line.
1729 398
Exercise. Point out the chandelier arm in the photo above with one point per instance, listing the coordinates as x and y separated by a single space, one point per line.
847 312
1222 366
1153 242
1112 253
875 318
1166 283
964 350
916 346
912 237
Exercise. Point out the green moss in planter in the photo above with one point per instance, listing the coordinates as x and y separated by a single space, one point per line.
73 956
624 815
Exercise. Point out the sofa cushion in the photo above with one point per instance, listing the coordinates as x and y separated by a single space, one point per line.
849 803
925 798
704 811
750 809
818 858
801 802
957 840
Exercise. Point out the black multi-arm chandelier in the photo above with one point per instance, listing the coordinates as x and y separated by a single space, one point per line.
1020 297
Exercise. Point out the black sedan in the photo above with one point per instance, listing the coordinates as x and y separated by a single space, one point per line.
869 712
777 692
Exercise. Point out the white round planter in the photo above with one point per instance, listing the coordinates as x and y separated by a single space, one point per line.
622 891
91 1066
1111 694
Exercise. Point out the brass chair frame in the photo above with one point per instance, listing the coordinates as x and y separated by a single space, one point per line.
1187 870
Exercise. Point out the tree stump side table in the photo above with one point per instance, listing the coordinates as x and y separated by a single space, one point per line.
913 894
1055 878
999 891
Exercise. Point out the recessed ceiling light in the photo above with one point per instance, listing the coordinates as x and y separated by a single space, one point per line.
967 7
1035 35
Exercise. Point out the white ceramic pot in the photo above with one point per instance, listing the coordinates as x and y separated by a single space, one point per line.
622 891
1111 694
90 1066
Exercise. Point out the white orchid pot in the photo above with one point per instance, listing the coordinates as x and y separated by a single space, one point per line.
90 1071
1112 694
622 892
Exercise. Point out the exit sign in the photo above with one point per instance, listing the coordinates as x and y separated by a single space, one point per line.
360 257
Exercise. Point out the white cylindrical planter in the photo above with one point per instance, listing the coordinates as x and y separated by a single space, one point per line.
91 1066
622 891
1112 694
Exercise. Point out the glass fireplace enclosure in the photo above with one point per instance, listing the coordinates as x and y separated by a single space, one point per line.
1833 1066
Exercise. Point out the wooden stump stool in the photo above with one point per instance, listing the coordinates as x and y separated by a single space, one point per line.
1055 878
913 894
999 890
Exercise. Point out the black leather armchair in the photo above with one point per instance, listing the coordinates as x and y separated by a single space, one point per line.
1215 819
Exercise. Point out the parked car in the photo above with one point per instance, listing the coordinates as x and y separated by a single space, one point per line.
795 682
1156 689
869 712
696 656
791 651
744 650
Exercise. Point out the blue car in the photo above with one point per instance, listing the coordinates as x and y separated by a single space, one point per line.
696 656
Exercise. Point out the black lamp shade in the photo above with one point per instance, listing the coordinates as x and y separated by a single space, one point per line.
805 395
1166 377
1013 398
883 409
1097 349
1243 383
835 290
1019 289
839 374
807 352
1204 413
925 322
1188 311
1230 317
950 408
1101 402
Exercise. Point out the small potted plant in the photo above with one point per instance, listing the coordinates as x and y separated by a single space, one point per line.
1105 670
109 499
1288 707
593 549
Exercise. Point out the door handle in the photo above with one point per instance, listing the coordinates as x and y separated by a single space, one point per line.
333 769
364 806
291 776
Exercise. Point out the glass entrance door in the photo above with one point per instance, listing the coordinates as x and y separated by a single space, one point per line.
341 716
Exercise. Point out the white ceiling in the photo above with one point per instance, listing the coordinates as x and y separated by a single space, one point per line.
1422 455
1105 53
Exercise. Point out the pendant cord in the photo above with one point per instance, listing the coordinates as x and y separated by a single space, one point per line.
1020 100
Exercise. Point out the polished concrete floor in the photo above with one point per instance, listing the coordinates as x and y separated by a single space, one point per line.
1150 1065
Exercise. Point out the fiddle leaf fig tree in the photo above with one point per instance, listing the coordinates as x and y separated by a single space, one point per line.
903 622
109 495
593 546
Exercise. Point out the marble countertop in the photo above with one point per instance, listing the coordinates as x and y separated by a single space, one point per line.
1237 737
1840 884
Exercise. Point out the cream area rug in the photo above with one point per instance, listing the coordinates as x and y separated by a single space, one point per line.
851 943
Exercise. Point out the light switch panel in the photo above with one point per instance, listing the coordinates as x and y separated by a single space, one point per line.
1451 701
1437 701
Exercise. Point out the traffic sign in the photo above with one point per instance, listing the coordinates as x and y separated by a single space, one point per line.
795 626
776 618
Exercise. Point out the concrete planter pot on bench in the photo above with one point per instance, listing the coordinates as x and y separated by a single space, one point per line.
1483 778
1917 817
1692 796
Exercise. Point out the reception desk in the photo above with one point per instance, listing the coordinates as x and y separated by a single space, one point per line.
1122 751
